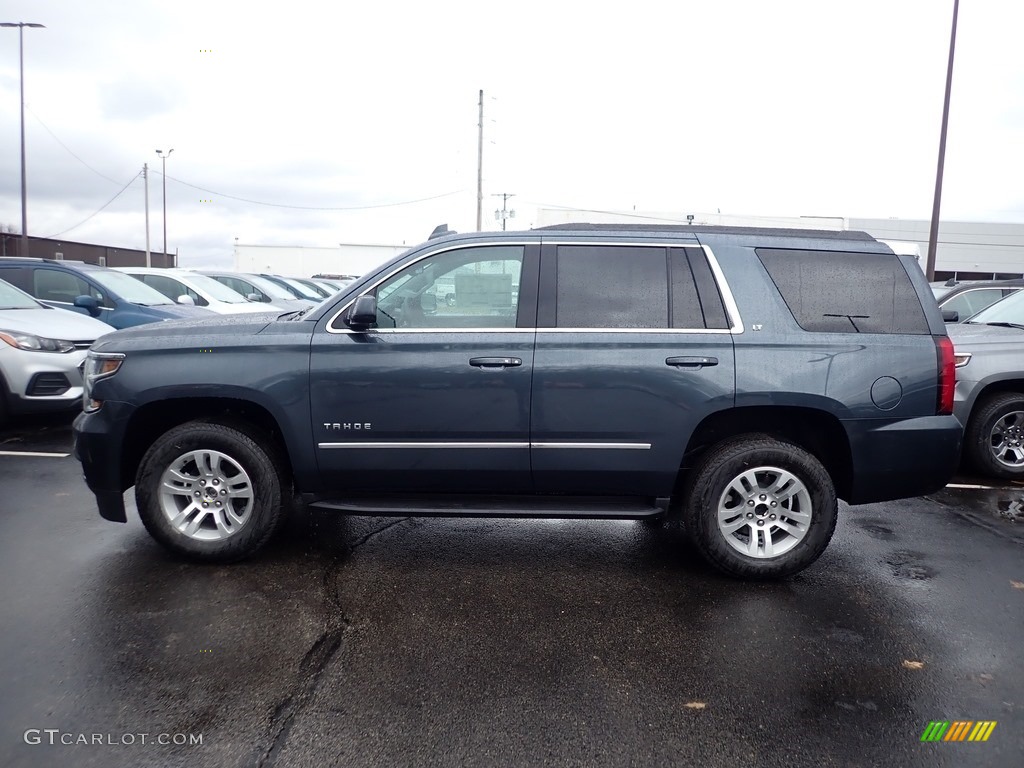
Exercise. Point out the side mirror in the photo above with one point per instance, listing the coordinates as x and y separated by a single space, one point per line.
89 303
363 313
186 299
253 297
950 316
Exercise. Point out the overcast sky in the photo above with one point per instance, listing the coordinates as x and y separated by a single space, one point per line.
316 123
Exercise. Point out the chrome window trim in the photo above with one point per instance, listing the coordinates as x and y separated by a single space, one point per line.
731 308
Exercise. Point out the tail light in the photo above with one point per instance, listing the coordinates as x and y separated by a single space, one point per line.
947 375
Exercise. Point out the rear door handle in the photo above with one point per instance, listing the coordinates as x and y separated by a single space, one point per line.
495 362
691 362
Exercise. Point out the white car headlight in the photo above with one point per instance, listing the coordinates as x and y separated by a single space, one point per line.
32 343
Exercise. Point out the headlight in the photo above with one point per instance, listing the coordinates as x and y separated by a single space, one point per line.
32 343
98 365
961 359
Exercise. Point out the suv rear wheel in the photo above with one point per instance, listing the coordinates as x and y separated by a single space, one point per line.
995 436
209 492
758 507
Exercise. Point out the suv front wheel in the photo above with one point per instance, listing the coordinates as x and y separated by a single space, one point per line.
759 507
209 492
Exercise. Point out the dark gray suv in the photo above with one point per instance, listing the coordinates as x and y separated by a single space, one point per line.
743 379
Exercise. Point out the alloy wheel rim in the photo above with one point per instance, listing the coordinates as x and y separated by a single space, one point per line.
206 495
764 512
1007 440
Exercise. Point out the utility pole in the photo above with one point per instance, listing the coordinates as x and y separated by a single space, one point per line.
480 168
504 214
933 234
163 176
21 70
145 176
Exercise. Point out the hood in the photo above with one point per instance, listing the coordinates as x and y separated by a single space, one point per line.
976 335
197 332
53 324
176 311
244 308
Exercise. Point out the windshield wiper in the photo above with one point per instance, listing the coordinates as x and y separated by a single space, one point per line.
295 314
1007 325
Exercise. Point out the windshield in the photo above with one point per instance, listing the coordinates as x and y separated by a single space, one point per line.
214 289
272 289
12 298
1008 310
306 292
129 288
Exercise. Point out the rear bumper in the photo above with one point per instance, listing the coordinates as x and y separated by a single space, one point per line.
98 439
901 459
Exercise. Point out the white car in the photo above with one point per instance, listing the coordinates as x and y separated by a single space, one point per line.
42 351
187 287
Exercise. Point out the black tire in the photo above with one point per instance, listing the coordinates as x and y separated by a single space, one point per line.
984 428
259 508
706 488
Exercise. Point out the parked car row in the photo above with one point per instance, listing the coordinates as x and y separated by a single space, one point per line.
52 311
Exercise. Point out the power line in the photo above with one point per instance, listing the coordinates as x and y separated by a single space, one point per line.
50 237
112 181
315 207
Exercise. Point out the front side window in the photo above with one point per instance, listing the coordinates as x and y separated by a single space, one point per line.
463 288
970 302
54 285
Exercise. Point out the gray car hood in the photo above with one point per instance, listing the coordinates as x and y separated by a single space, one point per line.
975 335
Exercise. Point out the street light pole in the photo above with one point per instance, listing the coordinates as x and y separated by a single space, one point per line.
24 186
933 233
163 176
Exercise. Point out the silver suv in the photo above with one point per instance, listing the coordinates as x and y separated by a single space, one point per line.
42 350
989 395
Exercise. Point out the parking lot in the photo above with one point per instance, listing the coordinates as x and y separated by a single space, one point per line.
382 642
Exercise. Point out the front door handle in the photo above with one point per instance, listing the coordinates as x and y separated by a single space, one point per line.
691 362
495 362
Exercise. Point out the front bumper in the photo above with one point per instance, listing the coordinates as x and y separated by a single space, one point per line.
902 459
98 439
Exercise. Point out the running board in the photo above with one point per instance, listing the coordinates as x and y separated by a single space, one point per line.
579 508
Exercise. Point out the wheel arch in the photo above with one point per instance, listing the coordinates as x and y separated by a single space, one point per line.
155 418
989 387
816 431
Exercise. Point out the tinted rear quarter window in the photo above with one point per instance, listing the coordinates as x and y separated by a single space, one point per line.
845 292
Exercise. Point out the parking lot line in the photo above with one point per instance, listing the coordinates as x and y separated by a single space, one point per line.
35 454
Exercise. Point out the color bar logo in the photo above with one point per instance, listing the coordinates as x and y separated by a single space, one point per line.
958 730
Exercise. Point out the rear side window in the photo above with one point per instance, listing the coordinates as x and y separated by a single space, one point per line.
842 292
603 286
631 286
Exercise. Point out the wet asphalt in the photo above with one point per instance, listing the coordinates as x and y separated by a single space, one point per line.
391 642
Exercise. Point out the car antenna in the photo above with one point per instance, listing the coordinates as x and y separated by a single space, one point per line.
440 231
